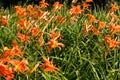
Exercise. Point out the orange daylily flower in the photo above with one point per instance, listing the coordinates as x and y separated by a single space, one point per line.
86 5
114 29
34 31
20 11
57 6
114 7
19 66
16 50
113 16
48 66
95 30
101 24
43 4
111 42
23 23
91 18
53 43
34 12
75 10
54 35
6 54
4 60
4 21
11 53
61 19
30 10
6 72
23 37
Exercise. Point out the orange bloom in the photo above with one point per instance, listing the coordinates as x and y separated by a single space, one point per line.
48 66
111 42
41 13
23 37
15 51
101 24
114 7
34 31
19 66
61 19
113 16
57 6
36 14
6 54
91 18
54 35
75 10
114 29
95 30
53 43
43 4
6 72
4 21
85 5
20 11
30 8
23 23
11 53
